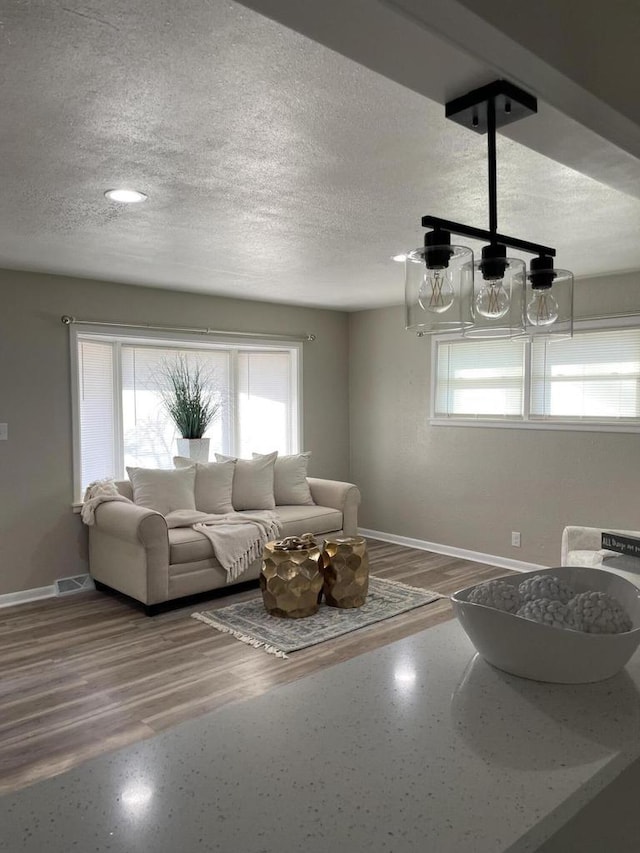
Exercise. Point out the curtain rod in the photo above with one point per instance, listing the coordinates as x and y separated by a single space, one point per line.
198 330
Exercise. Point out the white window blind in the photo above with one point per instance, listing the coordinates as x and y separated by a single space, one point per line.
96 410
149 434
266 403
594 375
121 420
481 378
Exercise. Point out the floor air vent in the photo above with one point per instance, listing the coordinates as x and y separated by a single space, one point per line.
79 583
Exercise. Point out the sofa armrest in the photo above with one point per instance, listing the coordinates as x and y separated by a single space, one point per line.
338 495
129 521
587 539
129 551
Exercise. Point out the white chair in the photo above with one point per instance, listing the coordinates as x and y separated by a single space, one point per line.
582 546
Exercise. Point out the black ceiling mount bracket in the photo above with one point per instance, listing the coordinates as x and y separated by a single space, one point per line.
511 104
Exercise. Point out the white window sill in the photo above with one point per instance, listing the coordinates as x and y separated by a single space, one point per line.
575 426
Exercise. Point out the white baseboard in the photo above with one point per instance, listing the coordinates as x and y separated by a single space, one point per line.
10 598
461 553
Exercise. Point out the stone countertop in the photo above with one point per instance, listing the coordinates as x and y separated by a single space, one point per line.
418 745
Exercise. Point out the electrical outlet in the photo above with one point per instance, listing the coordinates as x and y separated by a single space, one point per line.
515 538
4 432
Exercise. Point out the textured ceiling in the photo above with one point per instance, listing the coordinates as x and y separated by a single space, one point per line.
275 168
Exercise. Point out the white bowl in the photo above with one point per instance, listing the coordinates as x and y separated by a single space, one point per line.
543 653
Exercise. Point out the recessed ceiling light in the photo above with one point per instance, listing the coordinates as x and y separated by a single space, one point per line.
399 258
125 196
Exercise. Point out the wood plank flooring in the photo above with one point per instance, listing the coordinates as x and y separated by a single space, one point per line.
90 673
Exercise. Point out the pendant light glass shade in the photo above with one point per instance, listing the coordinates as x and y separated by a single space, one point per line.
438 295
497 304
549 309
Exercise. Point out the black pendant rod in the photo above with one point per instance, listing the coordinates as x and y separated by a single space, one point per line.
481 234
484 111
493 172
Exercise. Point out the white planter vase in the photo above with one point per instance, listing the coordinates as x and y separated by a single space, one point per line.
195 448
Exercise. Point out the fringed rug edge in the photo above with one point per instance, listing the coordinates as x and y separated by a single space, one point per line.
244 638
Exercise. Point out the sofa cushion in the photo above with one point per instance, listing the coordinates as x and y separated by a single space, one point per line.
252 482
588 558
214 484
297 520
186 545
290 486
164 490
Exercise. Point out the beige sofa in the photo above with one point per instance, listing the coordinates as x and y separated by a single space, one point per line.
132 550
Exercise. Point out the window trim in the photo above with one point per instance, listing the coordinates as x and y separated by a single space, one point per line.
527 421
186 340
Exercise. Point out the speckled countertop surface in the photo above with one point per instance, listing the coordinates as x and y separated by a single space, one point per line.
416 746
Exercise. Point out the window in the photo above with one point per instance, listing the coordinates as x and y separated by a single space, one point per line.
594 375
480 379
589 381
119 419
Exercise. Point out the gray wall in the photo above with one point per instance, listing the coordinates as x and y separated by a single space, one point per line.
470 487
40 537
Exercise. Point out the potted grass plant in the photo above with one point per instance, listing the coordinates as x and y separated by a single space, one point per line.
190 401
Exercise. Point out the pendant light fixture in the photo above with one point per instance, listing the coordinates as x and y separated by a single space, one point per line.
447 291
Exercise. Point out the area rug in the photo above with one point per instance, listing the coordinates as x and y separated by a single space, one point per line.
249 622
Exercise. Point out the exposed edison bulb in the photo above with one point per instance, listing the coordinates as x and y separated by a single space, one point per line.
542 308
492 300
436 293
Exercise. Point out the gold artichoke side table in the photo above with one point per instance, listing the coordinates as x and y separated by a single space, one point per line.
291 581
346 571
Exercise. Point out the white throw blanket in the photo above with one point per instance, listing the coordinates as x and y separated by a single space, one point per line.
237 540
98 493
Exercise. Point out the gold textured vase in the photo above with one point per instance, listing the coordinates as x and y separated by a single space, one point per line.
291 581
346 571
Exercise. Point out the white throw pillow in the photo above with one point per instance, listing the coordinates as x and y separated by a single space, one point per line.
214 484
290 487
252 481
164 490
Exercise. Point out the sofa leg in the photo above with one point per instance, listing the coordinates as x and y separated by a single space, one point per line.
149 609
